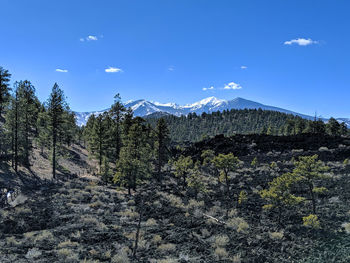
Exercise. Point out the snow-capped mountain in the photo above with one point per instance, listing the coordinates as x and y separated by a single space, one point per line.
82 117
144 108
346 120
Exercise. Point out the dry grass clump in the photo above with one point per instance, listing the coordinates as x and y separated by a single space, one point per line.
76 235
132 235
23 210
107 254
346 227
205 233
121 256
3 214
236 258
129 213
97 204
166 248
276 235
67 255
221 241
151 222
220 253
89 220
67 243
33 253
81 196
44 235
29 235
167 260
233 213
131 202
173 200
101 226
194 204
239 224
156 239
215 210
12 241
157 204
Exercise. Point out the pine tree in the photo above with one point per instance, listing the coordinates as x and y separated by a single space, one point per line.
105 171
226 163
162 140
207 161
279 195
4 88
56 106
43 136
196 180
9 130
343 129
99 139
310 170
4 99
133 166
117 112
207 157
28 114
128 121
333 127
183 166
15 128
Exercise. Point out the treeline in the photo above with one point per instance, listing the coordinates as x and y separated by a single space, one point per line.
195 127
25 122
137 150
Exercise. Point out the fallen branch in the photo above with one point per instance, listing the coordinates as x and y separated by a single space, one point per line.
215 219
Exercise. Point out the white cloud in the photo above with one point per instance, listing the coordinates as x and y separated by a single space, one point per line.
244 67
211 88
232 86
89 38
61 70
171 68
301 42
113 70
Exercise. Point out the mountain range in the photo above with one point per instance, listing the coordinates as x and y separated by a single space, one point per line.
145 108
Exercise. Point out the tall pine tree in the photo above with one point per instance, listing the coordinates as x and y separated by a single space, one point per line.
56 107
162 140
4 88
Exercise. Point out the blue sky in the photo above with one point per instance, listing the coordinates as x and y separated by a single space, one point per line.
292 53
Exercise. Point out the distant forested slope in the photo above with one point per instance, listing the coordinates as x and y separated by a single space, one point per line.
195 127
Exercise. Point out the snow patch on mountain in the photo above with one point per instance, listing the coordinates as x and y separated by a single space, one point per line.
144 108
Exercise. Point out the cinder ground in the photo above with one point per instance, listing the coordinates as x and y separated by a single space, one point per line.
78 219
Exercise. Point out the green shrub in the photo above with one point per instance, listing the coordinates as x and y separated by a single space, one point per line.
311 221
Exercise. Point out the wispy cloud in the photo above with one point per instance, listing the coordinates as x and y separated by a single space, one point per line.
61 70
211 88
89 38
232 86
171 68
244 67
301 42
113 70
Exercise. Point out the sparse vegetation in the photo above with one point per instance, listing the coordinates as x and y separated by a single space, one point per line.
229 199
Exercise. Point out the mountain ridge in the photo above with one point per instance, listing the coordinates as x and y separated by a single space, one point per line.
144 108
